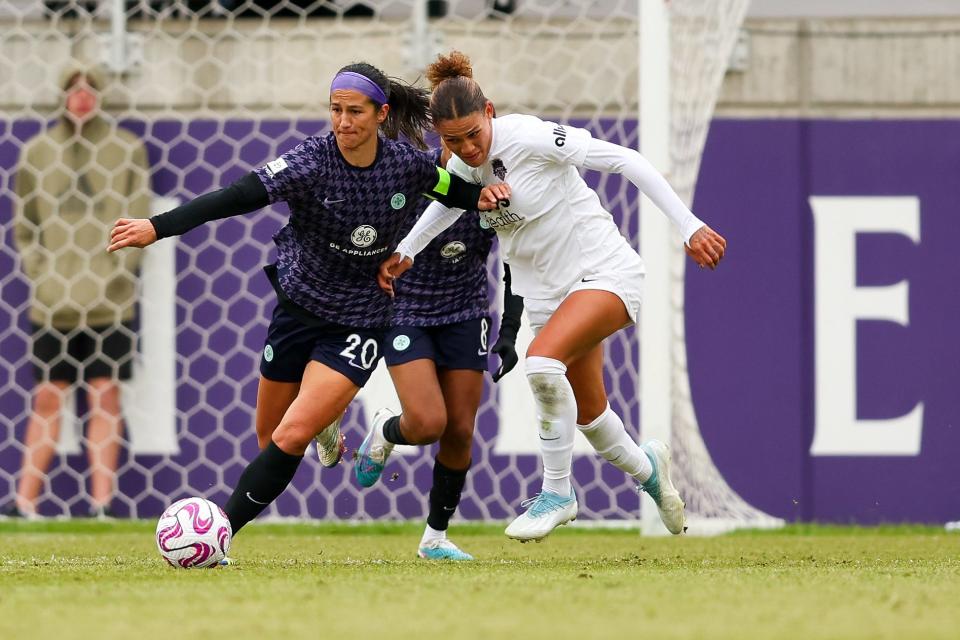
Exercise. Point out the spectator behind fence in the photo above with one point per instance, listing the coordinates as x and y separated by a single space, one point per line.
73 180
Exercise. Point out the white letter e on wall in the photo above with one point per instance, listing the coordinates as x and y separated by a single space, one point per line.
839 304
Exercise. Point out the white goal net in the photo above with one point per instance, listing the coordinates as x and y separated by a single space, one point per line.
214 88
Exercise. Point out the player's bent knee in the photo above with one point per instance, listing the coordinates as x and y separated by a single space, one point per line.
293 438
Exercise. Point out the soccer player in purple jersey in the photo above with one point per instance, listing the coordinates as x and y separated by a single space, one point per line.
436 352
350 193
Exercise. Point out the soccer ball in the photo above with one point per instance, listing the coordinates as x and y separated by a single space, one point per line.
193 532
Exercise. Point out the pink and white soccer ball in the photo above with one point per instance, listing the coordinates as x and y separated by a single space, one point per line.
193 532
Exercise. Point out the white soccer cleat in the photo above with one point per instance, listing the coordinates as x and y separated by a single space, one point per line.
546 511
330 447
660 487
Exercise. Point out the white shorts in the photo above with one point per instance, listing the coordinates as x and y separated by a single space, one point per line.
625 284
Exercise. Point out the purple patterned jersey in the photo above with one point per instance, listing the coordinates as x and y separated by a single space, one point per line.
344 221
448 281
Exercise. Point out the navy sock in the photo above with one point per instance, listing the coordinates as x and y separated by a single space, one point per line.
391 431
260 483
445 495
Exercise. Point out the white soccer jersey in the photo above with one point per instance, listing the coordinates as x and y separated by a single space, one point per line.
555 230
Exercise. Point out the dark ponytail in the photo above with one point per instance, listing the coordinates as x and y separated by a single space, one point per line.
408 115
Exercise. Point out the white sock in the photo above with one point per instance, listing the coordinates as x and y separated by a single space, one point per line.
432 535
609 437
557 417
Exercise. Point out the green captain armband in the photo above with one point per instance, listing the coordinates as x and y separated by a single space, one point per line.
443 182
453 191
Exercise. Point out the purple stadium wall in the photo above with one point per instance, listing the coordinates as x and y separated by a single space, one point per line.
750 325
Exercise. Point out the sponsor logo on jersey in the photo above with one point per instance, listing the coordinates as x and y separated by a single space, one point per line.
499 169
401 342
363 236
504 219
350 251
560 136
398 200
268 353
453 249
275 167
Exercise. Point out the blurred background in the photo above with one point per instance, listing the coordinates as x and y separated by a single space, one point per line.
812 378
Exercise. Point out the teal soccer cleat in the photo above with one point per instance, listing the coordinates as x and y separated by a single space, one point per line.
442 550
546 511
373 452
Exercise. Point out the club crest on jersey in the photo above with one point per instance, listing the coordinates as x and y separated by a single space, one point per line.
268 353
499 169
363 236
453 249
398 200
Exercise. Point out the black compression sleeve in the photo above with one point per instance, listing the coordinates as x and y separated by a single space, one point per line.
454 191
512 305
243 196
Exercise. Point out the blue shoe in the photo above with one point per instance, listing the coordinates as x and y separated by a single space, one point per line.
442 550
546 511
660 487
373 452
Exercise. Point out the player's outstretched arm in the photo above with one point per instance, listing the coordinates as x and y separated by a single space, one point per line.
243 196
612 158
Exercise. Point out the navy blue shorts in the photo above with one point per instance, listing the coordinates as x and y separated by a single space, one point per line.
462 345
291 344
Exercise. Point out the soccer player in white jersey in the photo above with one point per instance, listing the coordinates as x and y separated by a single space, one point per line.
580 279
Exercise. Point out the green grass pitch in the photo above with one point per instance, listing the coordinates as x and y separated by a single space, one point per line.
61 580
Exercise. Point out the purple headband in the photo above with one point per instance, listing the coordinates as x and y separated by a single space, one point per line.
358 82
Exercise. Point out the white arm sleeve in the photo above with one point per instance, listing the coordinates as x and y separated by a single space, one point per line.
612 158
434 221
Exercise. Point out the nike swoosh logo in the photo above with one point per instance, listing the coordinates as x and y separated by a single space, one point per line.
586 280
541 437
449 508
481 352
327 201
254 500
